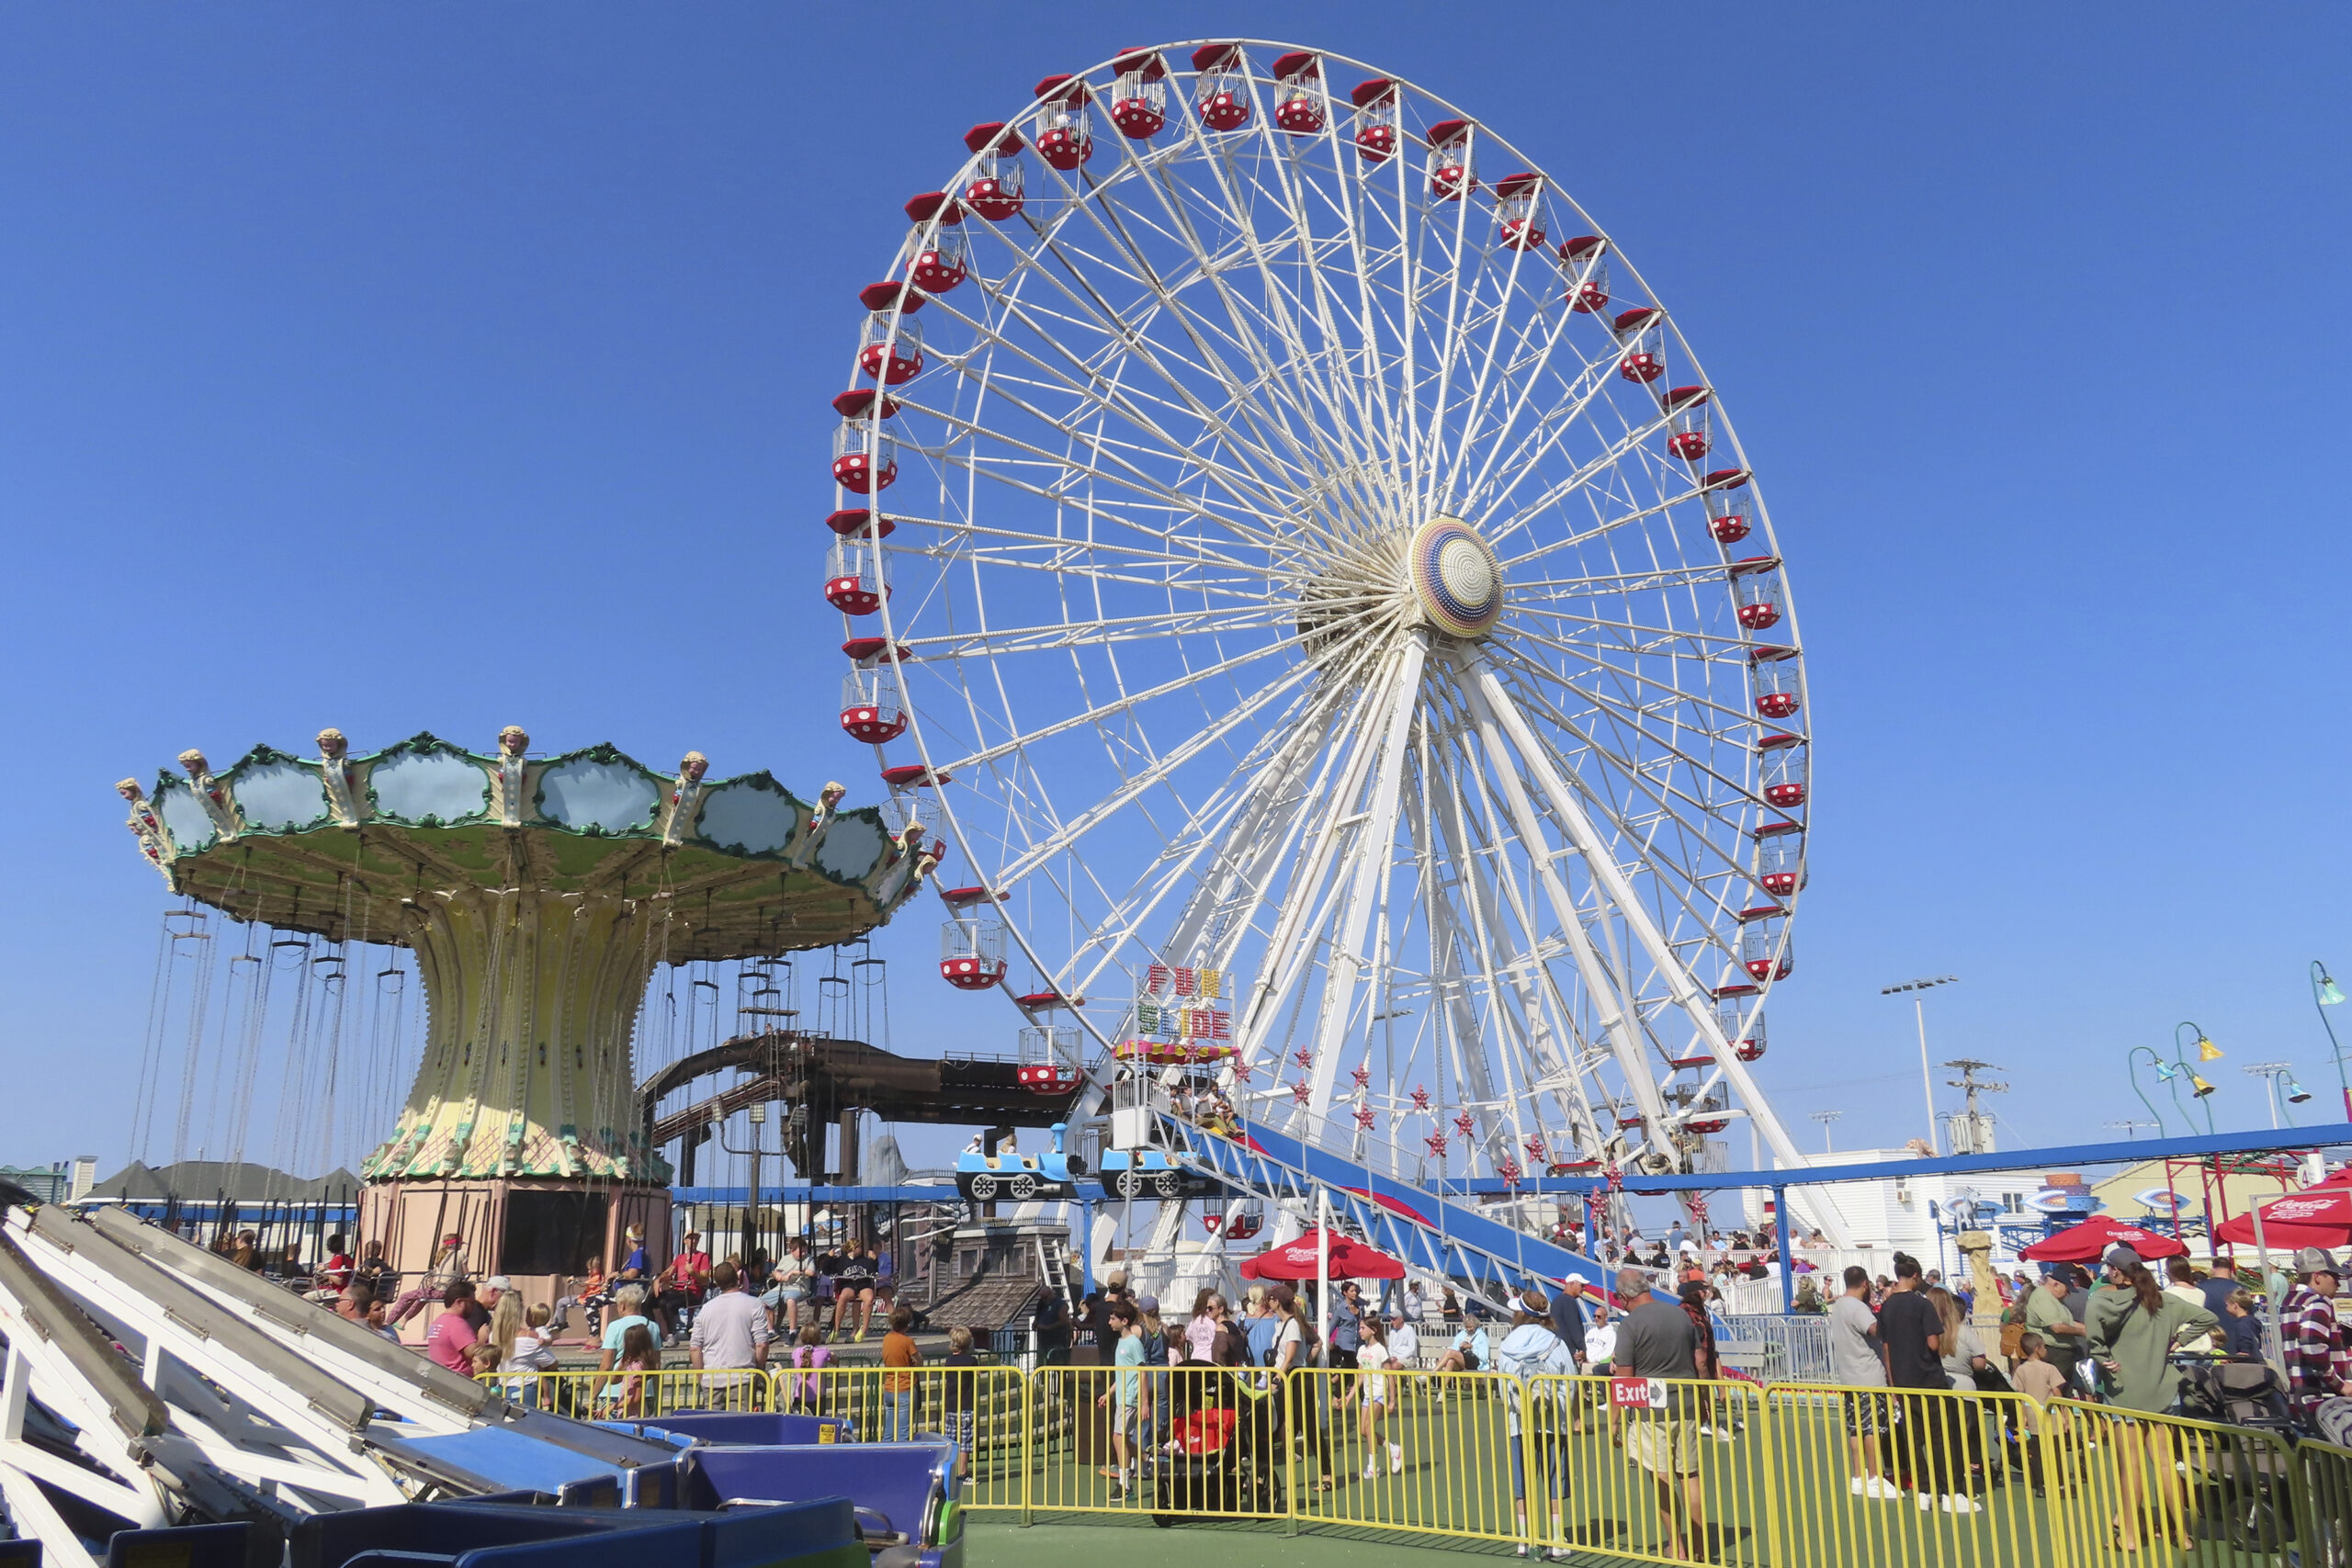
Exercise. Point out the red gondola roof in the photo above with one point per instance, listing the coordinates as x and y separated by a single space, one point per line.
1582 246
858 401
914 776
1639 316
864 648
1778 738
1749 565
1774 830
1006 141
1683 397
858 520
1147 61
1760 912
1520 184
1724 479
1770 653
957 898
884 295
1372 90
1446 132
1063 87
1298 63
1216 56
933 204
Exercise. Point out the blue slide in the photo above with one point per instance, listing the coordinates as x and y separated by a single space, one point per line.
1429 1233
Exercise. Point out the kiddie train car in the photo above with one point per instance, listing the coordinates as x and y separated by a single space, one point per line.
1019 1177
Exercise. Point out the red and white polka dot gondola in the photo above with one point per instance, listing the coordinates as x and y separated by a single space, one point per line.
1315 557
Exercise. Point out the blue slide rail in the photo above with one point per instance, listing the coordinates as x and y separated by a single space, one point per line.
1401 1217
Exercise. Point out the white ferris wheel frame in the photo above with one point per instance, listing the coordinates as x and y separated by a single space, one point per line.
1275 441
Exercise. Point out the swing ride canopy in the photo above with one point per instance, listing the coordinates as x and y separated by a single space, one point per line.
538 893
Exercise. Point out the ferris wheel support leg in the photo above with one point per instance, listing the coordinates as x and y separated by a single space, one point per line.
1492 700
1371 852
1598 979
1275 983
1524 978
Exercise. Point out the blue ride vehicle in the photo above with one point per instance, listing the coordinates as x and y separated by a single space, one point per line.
1020 1178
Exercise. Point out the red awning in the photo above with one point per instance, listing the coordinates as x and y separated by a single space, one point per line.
2317 1216
1300 1259
2088 1242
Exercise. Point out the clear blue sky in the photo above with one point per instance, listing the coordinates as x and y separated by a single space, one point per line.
446 366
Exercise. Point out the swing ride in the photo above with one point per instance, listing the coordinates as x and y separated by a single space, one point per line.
538 895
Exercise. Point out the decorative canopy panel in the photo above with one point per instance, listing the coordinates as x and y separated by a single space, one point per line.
537 895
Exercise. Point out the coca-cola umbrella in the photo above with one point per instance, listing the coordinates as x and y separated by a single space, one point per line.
1300 1259
2317 1216
2088 1242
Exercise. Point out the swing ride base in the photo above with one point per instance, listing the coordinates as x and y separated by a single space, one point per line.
539 1233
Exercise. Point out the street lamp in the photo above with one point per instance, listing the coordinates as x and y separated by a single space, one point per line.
1824 1118
2165 1073
1927 1073
2270 1073
2198 1088
2326 994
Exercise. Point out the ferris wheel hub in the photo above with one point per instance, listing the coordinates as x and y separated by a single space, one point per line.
1456 577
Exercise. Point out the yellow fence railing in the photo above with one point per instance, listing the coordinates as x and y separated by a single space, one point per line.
1737 1473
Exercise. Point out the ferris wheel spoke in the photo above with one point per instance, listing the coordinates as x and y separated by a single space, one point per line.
1232 186
1628 714
1125 704
1595 637
1288 950
1238 815
1134 787
1521 988
1197 325
1605 989
1618 450
1684 992
1134 340
1134 481
1289 190
1060 635
1372 849
1498 316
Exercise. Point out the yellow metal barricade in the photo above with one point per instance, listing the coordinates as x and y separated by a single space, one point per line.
983 1410
1938 1478
1429 1452
1171 1442
2325 1473
1648 1470
2138 1486
634 1395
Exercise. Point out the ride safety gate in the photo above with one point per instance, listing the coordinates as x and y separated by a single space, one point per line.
1634 1469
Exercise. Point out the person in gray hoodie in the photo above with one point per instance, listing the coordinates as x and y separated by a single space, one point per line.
1533 1349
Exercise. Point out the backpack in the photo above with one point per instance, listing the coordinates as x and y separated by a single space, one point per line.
2012 1338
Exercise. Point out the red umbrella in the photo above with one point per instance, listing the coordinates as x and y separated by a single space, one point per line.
1298 1260
2317 1216
2088 1242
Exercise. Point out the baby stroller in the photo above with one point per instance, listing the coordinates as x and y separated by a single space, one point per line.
1221 1462
2244 1488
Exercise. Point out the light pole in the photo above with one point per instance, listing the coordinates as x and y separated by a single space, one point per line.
2206 1052
1824 1118
2270 1073
1927 1073
2165 1073
2326 994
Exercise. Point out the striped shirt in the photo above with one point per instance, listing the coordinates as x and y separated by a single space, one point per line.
2311 1341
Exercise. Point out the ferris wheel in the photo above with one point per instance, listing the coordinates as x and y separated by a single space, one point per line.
1305 578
